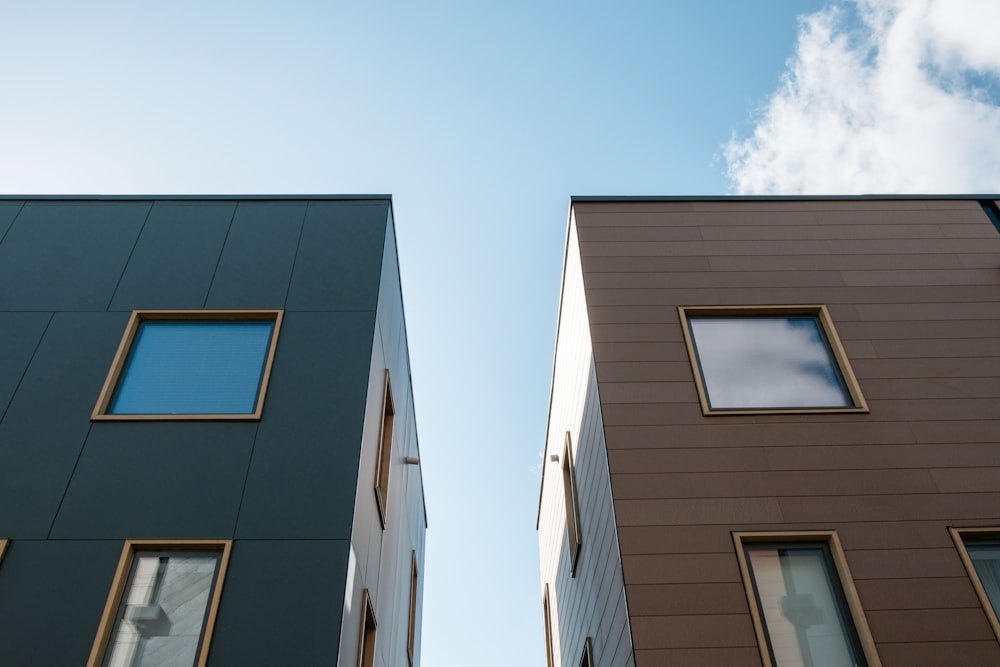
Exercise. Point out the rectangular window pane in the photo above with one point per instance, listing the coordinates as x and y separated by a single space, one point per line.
193 367
161 618
805 615
767 362
985 557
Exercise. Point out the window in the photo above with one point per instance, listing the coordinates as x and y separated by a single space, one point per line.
802 600
769 360
383 459
211 364
411 634
366 643
163 601
979 549
550 659
574 537
3 548
587 659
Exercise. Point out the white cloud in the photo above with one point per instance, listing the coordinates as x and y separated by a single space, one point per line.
881 96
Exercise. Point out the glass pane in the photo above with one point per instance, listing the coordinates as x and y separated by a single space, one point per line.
767 362
194 367
986 559
162 617
801 603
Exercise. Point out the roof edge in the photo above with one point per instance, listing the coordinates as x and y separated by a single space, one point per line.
286 197
697 198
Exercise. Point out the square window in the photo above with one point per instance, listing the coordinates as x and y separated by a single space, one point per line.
769 359
191 365
163 602
979 549
804 607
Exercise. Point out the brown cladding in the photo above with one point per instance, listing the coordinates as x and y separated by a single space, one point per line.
913 289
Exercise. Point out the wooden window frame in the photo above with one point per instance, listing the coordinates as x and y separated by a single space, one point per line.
831 541
3 548
101 413
822 315
131 548
383 458
587 659
550 660
958 536
367 634
571 495
411 627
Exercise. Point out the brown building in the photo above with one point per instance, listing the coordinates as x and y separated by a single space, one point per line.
774 434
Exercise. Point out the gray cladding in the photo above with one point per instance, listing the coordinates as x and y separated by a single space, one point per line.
72 491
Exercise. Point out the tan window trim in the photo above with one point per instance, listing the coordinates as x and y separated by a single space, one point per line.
411 628
3 548
587 659
100 412
826 322
383 460
366 638
550 660
830 539
131 547
574 535
958 535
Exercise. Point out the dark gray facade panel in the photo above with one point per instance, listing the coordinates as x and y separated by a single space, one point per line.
48 419
8 211
67 255
21 333
258 257
340 257
52 595
175 258
309 441
162 480
282 604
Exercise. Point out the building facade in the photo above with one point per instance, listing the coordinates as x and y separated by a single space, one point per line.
774 434
208 449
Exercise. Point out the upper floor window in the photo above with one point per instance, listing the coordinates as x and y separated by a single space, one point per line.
769 359
210 364
802 600
979 549
162 603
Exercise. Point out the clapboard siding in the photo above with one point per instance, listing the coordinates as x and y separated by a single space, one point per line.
591 603
914 293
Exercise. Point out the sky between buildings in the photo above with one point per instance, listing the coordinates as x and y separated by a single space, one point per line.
482 119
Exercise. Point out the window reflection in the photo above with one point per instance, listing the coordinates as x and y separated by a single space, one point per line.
767 362
162 615
805 616
985 557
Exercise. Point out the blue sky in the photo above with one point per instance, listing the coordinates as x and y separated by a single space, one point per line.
482 120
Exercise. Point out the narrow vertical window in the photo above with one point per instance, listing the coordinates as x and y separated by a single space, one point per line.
979 549
3 548
587 659
162 603
384 458
411 634
547 615
574 537
366 646
804 607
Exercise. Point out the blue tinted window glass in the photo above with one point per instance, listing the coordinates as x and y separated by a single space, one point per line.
193 367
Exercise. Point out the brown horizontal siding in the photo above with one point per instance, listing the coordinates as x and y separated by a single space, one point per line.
914 293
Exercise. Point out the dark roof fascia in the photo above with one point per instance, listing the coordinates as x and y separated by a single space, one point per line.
196 197
699 198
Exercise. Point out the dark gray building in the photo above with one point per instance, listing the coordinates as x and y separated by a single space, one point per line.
208 451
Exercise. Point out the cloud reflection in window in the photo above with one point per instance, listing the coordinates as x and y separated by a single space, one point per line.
767 362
